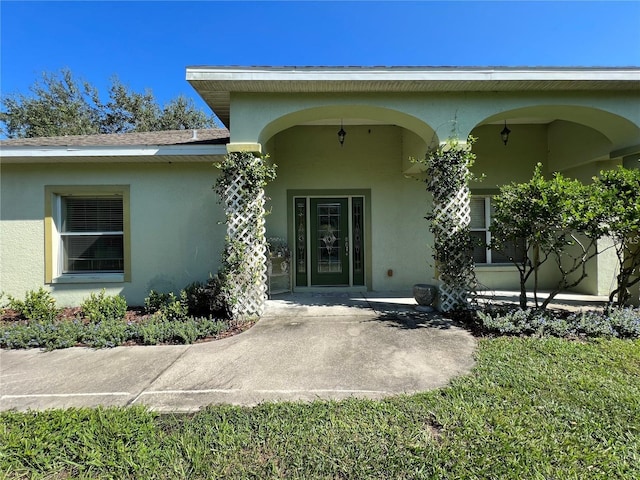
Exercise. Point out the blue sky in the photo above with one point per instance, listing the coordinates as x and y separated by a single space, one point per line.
149 44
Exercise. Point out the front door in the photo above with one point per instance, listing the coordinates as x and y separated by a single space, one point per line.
329 241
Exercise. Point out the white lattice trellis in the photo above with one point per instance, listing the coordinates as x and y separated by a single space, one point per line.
454 216
450 226
245 228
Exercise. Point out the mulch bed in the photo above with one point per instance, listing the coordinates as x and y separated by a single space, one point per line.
134 314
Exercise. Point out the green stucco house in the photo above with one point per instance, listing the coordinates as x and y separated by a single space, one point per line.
134 212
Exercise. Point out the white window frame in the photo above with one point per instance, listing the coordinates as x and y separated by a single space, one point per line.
485 228
488 218
54 255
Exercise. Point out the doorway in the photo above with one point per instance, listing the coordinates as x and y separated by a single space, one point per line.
329 241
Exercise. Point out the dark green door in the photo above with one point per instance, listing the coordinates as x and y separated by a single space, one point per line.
329 241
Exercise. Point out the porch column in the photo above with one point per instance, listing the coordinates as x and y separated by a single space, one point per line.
448 172
246 244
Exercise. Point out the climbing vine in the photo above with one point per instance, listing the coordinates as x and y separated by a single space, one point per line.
448 177
254 171
240 187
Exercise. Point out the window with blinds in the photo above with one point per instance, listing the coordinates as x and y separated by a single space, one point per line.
481 214
480 229
92 234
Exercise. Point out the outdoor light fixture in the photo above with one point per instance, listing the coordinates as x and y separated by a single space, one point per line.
504 134
341 134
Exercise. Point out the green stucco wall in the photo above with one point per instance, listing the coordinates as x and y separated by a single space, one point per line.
311 159
374 157
175 233
176 230
257 117
498 164
573 132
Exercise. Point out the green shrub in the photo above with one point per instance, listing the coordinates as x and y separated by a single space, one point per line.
197 298
592 324
37 305
210 327
106 333
204 300
525 322
51 334
626 321
612 322
162 329
186 331
157 329
101 307
47 334
156 300
505 323
176 308
167 304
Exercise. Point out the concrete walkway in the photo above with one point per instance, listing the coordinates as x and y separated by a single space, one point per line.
306 347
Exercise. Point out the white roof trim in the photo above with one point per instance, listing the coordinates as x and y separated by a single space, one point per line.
112 151
410 74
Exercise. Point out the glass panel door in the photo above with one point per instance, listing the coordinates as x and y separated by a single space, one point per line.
301 233
357 240
329 241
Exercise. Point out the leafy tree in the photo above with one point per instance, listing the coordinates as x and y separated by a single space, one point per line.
180 113
560 220
130 111
61 105
619 192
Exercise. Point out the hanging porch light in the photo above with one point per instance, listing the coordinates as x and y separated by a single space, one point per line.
504 134
341 134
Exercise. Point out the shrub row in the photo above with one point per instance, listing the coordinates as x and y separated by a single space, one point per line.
54 334
612 322
101 321
197 300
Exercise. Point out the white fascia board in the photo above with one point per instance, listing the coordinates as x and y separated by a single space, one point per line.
411 74
128 151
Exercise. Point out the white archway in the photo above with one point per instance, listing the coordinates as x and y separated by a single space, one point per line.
618 130
352 114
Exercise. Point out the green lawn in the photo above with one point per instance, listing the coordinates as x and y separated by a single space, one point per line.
532 408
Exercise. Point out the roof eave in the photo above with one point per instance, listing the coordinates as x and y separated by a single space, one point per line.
400 74
215 84
27 154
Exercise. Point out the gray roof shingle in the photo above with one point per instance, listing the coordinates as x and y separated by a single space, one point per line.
210 136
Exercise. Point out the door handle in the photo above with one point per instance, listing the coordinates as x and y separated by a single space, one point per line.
346 246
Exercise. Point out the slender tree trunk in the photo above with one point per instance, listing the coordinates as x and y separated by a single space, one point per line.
536 264
523 293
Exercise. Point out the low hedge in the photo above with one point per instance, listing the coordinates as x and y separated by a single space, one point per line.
52 334
612 322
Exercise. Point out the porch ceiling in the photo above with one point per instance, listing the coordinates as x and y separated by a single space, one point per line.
215 84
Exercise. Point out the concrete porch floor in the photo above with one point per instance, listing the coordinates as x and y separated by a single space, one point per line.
335 302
